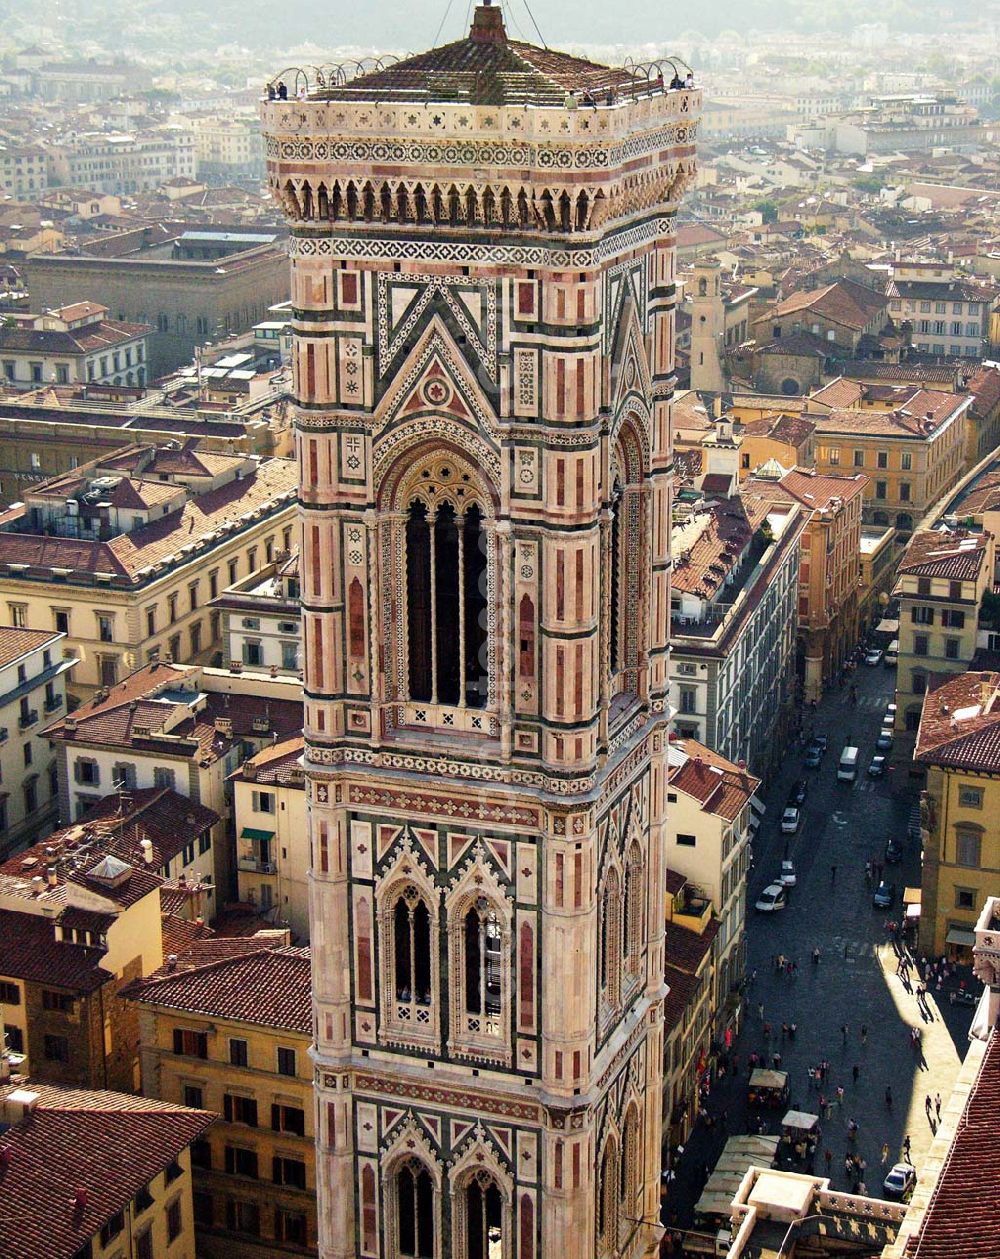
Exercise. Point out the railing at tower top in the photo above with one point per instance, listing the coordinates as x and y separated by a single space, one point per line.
630 81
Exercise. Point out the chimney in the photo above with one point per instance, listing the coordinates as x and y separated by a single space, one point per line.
37 885
51 877
171 961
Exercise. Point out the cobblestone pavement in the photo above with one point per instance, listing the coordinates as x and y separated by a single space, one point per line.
853 984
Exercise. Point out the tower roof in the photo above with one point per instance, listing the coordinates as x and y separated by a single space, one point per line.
485 68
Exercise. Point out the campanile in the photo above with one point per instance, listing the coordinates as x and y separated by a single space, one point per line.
482 252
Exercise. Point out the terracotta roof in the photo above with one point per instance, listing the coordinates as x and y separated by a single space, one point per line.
15 643
720 786
486 69
106 1146
959 555
984 495
919 414
674 881
960 722
937 290
903 373
279 764
838 393
181 933
962 1217
812 489
29 951
270 986
169 820
728 530
843 302
682 988
75 862
985 389
89 339
690 234
687 949
793 430
799 345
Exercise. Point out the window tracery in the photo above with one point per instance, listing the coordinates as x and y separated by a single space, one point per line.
479 964
408 924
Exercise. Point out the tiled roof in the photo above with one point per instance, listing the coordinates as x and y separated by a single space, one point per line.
962 1217
812 489
983 495
957 556
15 643
793 430
73 1165
280 764
673 881
902 373
843 302
727 533
87 340
490 70
838 393
937 290
180 933
799 345
271 987
687 949
919 414
985 389
272 486
30 951
682 988
960 723
720 786
167 819
74 861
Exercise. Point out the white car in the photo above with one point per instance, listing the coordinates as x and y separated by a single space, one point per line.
873 655
900 1181
790 820
787 877
771 899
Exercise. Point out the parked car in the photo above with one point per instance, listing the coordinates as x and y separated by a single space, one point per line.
873 655
790 820
820 740
890 713
885 895
771 899
797 795
962 996
877 767
787 877
814 756
893 852
900 1181
884 741
892 654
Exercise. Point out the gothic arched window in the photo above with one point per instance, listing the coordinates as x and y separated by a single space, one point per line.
633 914
414 1192
446 601
616 578
611 939
412 988
630 1179
483 959
607 1200
483 1210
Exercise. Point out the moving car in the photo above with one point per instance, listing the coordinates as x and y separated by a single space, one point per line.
848 768
884 741
797 795
790 820
771 899
885 895
877 768
893 852
873 655
900 1181
787 876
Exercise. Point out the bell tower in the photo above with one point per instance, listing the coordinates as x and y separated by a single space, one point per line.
482 253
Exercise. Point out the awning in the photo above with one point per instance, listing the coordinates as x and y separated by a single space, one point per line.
887 625
248 832
758 806
960 935
912 912
911 895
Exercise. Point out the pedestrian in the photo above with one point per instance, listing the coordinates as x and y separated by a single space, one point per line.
864 1033
855 1072
868 873
888 1097
885 1153
840 1095
822 1103
784 1032
844 1029
791 1030
937 1104
767 1031
906 1147
833 874
824 1069
927 1104
760 1011
776 1060
828 1159
811 1073
815 956
862 1189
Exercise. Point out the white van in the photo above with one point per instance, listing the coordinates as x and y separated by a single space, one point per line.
891 657
847 770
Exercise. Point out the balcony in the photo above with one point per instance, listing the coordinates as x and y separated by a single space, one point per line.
28 719
254 865
4 734
52 704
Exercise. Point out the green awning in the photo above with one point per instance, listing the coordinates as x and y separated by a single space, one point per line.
248 832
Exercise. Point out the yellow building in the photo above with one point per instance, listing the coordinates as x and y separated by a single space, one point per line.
788 439
956 743
878 572
227 1026
272 849
95 1174
942 580
122 554
909 441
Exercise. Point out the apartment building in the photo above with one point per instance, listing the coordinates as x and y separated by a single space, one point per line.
34 667
830 567
272 853
262 617
734 600
948 314
76 925
228 1027
909 442
942 579
76 344
123 163
24 171
123 554
95 1174
957 745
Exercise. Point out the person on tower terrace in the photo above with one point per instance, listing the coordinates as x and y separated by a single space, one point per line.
689 81
676 83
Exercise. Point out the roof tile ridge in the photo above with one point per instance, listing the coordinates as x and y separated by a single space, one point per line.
156 980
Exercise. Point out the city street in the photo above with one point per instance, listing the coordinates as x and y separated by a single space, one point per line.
854 982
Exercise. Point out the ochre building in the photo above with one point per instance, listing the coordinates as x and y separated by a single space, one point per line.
483 293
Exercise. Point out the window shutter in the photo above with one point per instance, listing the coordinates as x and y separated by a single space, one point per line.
276 1116
276 1170
227 1107
178 1041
